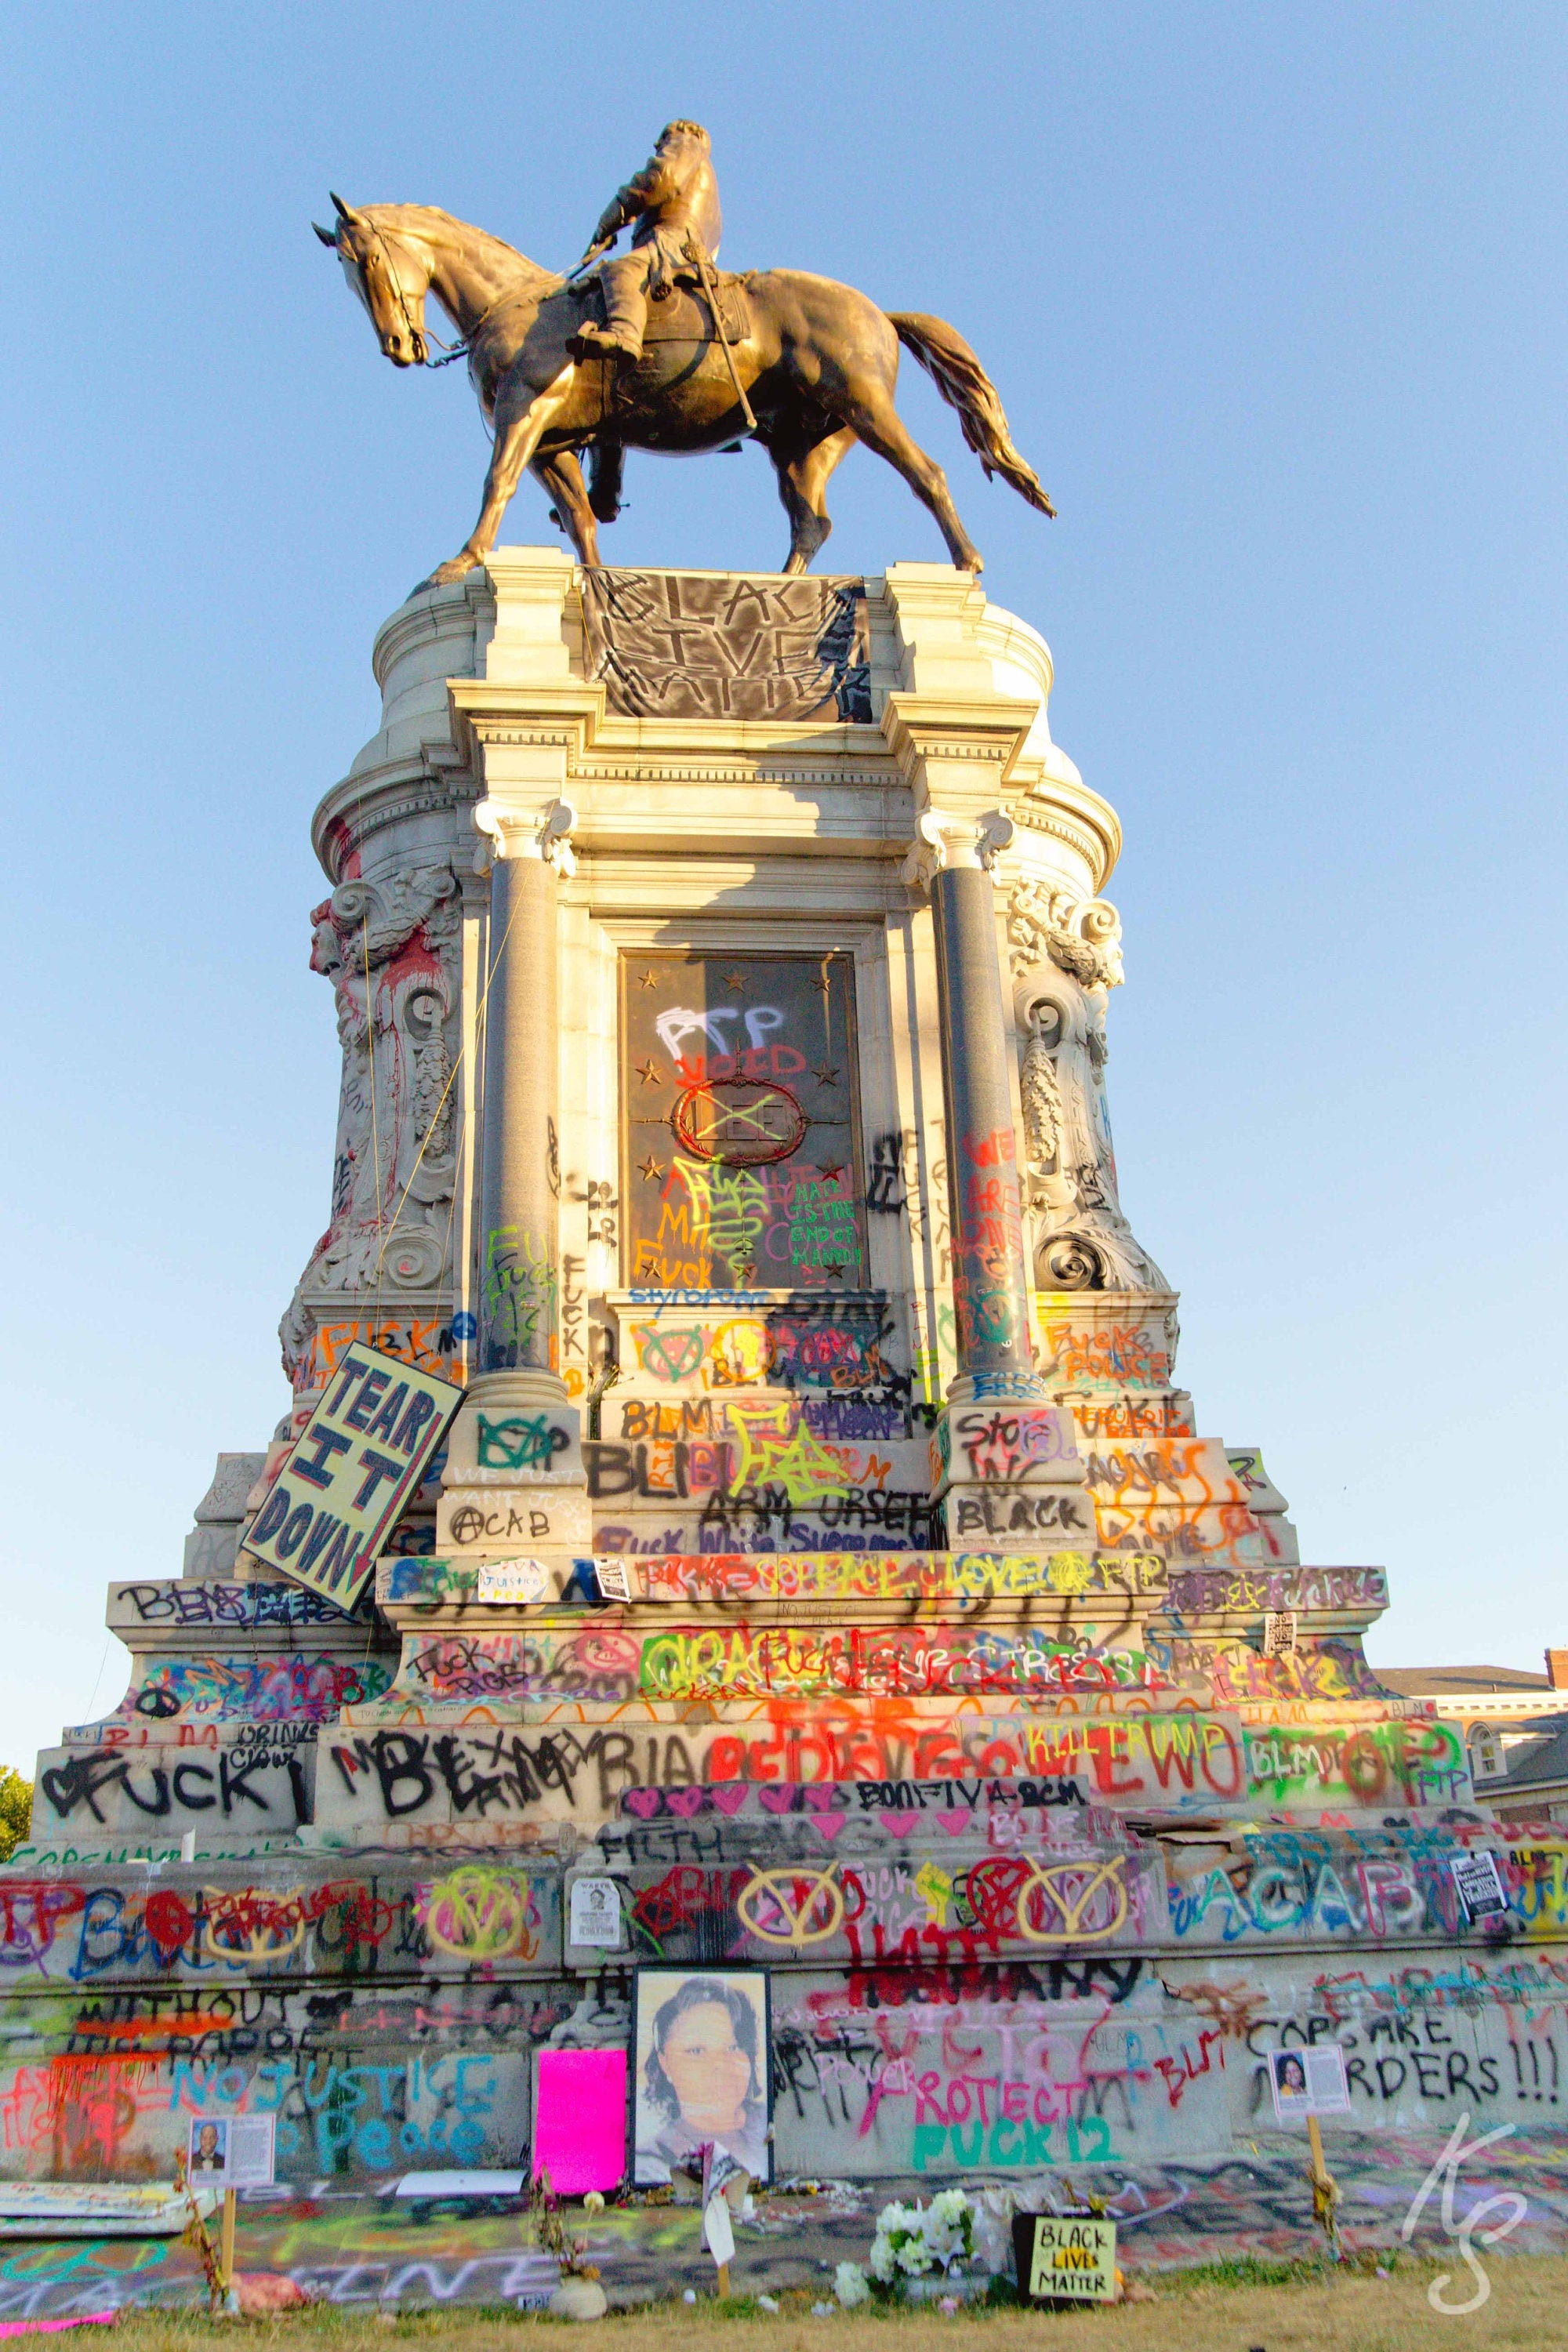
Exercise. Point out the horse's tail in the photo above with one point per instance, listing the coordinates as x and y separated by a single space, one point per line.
965 386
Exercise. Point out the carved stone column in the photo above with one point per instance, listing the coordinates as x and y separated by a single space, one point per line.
952 857
515 1458
1004 1460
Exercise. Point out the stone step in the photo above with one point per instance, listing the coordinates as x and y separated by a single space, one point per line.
609 1663
416 1785
168 1613
422 1590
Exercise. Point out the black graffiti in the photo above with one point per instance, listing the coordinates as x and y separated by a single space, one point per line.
763 1518
997 1515
887 1193
501 1771
82 1779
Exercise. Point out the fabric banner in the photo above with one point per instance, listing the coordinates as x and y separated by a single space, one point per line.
343 1487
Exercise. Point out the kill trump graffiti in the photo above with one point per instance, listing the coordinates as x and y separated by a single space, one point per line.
360 1458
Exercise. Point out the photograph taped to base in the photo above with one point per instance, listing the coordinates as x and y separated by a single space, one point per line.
231 2151
1308 2082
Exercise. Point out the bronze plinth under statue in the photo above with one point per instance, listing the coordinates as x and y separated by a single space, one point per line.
653 350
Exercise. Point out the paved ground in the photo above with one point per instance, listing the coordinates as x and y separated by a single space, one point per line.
352 2251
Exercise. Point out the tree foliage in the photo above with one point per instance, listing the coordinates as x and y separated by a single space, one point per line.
16 1811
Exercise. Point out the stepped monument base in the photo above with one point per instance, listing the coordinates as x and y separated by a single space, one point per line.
828 1620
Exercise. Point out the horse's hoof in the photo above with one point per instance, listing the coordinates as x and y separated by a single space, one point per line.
445 573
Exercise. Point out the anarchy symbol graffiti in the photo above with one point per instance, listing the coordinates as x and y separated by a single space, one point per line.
791 1907
477 1914
1070 1889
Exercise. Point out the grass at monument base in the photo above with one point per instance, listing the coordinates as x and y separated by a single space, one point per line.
1217 2308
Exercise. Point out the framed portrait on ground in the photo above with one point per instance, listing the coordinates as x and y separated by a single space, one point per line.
701 2045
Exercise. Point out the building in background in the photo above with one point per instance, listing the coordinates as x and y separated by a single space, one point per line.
1515 1726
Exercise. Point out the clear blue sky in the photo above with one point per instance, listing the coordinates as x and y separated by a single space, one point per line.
1275 298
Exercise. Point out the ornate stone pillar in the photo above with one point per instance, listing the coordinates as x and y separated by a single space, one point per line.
953 858
1004 1460
514 1474
520 1166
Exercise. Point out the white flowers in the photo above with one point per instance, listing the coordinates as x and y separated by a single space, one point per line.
849 2285
917 2239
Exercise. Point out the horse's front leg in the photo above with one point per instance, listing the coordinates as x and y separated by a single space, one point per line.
519 429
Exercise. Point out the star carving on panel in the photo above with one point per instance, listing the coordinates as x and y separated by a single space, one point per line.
736 980
826 1075
649 1168
830 1175
835 1267
648 979
822 983
648 1072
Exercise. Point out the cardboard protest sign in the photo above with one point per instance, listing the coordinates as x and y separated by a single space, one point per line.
231 2151
360 1455
1068 2255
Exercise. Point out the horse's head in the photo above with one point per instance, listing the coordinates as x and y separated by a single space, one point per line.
390 277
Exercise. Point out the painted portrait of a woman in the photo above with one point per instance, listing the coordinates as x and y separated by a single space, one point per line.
702 2070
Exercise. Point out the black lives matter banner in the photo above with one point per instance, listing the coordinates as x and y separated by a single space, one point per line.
360 1458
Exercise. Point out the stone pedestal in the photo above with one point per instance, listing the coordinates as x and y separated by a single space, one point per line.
824 1562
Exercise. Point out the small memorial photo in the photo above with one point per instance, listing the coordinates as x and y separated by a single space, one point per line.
232 2151
702 2055
1308 2082
209 2151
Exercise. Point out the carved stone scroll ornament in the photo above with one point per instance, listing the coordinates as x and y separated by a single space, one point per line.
390 949
1066 955
1080 937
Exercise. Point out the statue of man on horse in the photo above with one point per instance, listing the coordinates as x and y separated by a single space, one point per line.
674 198
803 365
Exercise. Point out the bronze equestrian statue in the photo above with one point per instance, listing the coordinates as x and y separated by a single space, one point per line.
679 363
674 198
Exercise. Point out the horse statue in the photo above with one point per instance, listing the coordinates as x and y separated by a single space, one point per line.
807 365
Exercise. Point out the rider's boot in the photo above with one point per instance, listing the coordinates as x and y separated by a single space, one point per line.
626 310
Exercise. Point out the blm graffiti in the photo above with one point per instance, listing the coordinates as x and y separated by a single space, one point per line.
740 1123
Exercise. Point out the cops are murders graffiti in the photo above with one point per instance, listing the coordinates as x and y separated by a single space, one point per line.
338 1494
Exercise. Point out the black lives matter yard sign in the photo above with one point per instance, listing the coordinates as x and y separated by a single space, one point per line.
343 1487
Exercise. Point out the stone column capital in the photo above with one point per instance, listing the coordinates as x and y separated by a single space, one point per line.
945 843
955 748
512 833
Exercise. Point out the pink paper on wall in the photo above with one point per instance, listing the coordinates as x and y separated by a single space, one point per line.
579 2119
